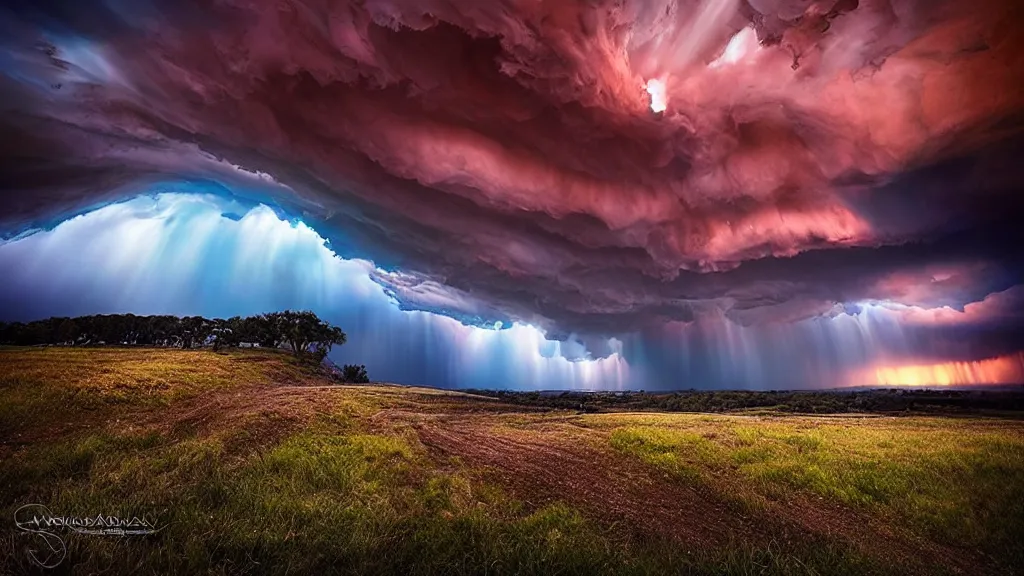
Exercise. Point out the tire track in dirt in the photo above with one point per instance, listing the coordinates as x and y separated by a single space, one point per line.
633 498
605 488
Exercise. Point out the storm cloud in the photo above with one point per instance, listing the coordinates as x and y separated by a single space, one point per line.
500 160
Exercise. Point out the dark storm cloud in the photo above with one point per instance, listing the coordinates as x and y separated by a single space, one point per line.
502 160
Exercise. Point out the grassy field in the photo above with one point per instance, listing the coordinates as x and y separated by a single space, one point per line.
249 464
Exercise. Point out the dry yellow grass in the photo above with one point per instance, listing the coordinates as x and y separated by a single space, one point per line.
116 374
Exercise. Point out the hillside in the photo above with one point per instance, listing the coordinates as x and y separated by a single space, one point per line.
250 462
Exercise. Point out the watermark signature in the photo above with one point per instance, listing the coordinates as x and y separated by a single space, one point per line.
50 550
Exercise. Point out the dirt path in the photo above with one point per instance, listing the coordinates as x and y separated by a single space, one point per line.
540 470
542 457
631 497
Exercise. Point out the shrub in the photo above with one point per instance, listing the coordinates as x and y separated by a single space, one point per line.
354 374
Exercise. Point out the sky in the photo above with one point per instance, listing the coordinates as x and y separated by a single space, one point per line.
534 194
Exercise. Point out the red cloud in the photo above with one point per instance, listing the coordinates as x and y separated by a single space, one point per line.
509 152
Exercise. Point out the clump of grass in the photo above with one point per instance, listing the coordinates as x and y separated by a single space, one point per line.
661 448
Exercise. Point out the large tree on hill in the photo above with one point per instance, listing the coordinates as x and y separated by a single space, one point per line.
304 332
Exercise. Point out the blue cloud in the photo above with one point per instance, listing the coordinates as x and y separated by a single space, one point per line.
219 256
188 254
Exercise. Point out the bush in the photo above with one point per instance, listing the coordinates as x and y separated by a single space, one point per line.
354 374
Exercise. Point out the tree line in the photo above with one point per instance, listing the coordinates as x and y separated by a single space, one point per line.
302 332
1008 399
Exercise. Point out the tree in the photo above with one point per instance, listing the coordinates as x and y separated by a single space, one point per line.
222 334
267 329
354 374
326 337
195 330
38 333
67 331
304 332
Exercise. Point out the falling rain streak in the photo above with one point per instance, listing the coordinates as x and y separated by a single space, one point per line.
199 254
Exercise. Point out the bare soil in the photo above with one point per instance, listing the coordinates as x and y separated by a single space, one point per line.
641 502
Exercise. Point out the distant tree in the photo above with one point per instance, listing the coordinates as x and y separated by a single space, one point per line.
221 334
67 331
267 328
325 338
10 333
303 332
250 330
195 331
38 333
227 332
111 328
354 374
130 329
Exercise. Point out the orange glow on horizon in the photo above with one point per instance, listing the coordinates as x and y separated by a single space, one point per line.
1007 369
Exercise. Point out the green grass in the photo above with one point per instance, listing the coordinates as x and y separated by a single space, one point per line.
958 481
329 482
330 500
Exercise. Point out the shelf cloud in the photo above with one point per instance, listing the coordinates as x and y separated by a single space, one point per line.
591 167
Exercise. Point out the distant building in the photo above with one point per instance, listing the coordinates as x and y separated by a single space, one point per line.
248 344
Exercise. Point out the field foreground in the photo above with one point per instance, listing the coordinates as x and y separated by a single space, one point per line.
247 463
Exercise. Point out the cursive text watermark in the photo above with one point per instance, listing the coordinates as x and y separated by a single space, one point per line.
50 549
